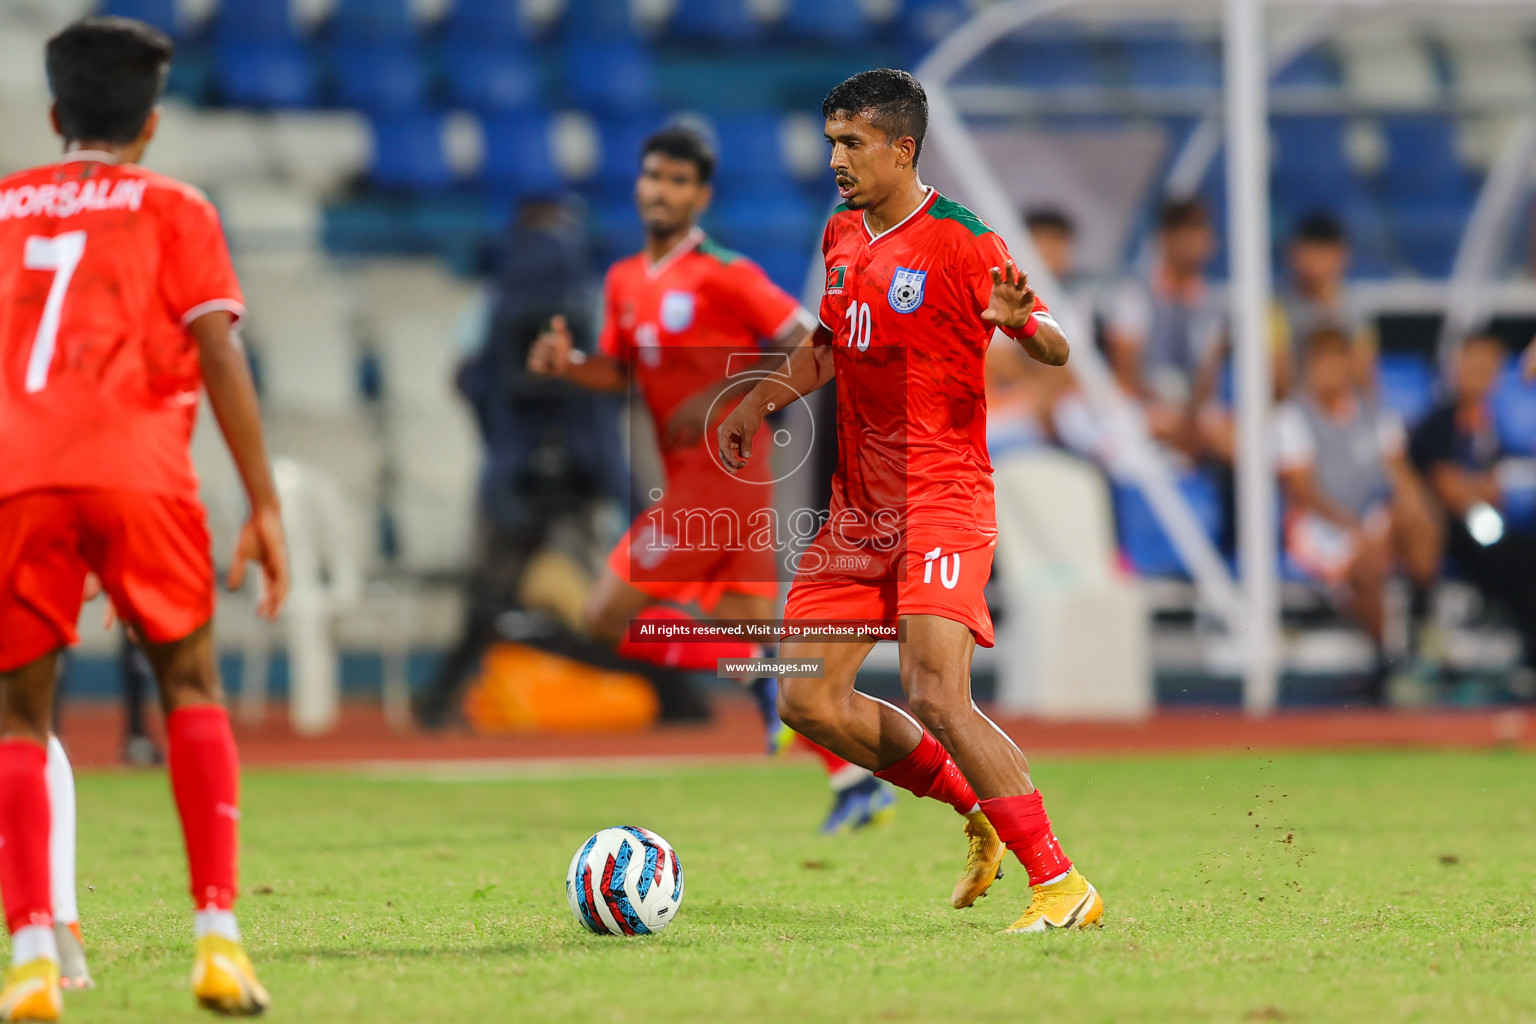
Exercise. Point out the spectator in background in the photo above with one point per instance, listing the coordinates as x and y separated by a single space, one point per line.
1166 335
1315 295
1354 508
1458 449
1021 392
553 453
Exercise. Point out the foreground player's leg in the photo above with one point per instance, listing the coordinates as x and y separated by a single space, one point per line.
936 675
205 779
31 990
889 742
73 972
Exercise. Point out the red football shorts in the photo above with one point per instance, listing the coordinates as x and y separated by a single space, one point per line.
151 552
671 552
937 570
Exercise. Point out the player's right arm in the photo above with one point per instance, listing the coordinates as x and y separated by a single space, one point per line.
810 366
555 354
232 394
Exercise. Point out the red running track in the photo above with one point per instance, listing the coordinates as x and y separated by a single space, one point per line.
94 733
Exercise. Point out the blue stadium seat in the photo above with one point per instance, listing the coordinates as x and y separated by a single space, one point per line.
616 229
1514 406
838 21
1309 164
1052 64
379 77
159 13
1141 536
924 22
483 22
519 159
784 220
609 76
408 153
265 73
717 21
600 19
1422 166
786 266
1406 385
751 154
253 20
491 78
375 20
1172 63
621 139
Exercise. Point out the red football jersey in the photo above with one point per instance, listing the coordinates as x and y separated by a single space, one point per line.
102 267
909 344
678 322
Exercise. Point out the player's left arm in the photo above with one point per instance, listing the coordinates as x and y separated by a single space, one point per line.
1016 309
232 394
198 281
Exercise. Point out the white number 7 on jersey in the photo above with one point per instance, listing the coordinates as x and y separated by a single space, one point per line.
60 254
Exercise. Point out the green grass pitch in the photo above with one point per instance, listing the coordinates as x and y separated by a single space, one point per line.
1352 887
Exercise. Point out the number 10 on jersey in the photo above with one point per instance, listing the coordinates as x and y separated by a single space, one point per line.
859 326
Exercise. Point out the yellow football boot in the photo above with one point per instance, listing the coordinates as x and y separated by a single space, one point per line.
983 861
224 981
32 992
1069 903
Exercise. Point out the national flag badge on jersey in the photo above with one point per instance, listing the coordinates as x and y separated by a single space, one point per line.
835 278
906 292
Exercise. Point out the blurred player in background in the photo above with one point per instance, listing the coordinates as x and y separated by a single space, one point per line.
117 303
679 318
916 286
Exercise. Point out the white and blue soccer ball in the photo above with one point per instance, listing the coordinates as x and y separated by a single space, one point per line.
625 881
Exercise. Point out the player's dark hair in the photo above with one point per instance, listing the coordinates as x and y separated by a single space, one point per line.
1182 213
1048 218
893 100
1321 228
1328 338
681 142
1486 337
106 74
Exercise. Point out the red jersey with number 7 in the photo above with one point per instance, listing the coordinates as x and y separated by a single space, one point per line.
102 267
909 345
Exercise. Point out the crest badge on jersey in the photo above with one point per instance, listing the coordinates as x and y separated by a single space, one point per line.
906 292
676 311
836 276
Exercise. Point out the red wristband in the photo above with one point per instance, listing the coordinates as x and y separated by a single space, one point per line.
1031 325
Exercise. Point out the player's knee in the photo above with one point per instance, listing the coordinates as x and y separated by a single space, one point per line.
801 708
939 713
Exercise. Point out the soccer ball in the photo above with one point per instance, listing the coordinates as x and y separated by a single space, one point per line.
624 881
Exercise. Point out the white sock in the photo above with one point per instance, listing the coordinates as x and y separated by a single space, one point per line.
61 841
215 922
33 941
1053 881
848 775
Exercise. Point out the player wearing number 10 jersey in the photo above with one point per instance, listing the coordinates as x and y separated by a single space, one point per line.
916 287
117 304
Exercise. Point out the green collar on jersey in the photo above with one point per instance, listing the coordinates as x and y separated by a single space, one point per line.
944 208
712 248
948 209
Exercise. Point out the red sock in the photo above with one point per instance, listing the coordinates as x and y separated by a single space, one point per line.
205 777
24 824
929 771
691 655
1025 828
830 761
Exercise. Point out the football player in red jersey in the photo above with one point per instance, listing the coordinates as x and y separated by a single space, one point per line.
916 287
117 306
683 320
